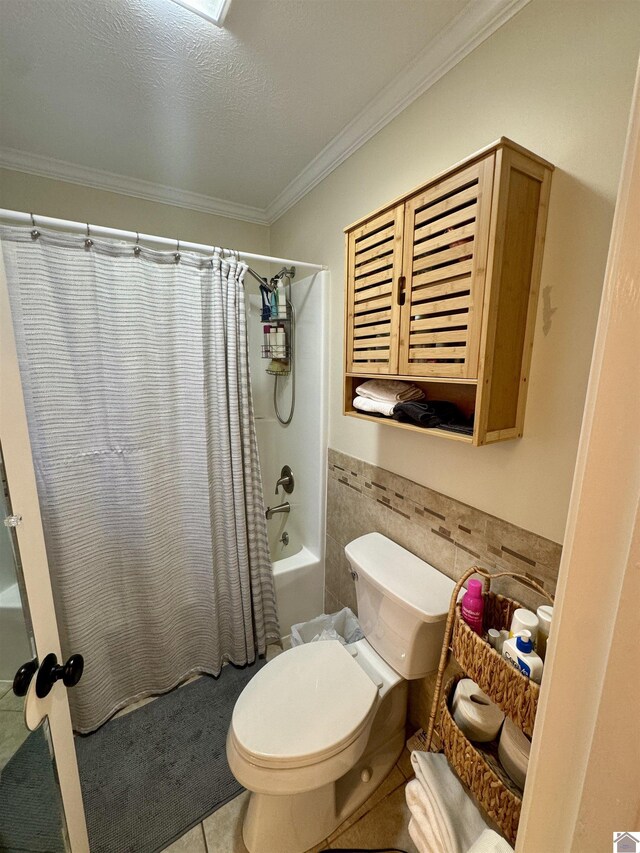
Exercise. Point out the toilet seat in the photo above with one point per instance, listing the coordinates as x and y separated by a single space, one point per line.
306 705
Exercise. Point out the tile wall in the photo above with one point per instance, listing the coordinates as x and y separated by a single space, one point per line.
450 535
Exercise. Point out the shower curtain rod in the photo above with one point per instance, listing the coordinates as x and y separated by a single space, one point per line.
19 217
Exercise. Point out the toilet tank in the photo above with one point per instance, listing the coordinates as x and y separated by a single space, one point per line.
402 603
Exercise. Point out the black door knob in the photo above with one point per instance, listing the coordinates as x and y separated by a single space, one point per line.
51 671
22 678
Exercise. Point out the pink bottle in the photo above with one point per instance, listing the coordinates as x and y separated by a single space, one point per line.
473 606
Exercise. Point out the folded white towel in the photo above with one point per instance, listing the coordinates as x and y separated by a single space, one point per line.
390 390
381 407
418 838
444 813
490 842
433 828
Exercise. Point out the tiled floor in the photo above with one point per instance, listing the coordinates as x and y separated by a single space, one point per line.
12 728
381 822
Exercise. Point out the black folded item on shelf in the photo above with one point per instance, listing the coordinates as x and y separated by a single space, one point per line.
422 413
463 428
434 413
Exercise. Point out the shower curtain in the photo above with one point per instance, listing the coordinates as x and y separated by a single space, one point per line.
135 372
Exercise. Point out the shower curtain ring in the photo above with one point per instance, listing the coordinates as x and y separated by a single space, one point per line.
88 243
136 248
177 252
34 231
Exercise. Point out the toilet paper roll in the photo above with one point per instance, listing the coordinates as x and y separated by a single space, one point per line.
513 752
474 713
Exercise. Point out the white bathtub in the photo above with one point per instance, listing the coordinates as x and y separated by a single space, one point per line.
15 648
299 581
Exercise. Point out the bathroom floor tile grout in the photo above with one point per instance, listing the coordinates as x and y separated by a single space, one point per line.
204 837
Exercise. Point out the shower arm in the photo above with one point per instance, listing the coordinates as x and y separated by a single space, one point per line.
263 282
272 283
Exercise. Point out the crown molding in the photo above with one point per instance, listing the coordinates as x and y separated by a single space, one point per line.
47 167
473 25
476 22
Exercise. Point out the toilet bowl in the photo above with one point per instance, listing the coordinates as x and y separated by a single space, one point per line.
302 721
319 727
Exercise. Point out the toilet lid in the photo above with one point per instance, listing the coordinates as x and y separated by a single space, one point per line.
305 705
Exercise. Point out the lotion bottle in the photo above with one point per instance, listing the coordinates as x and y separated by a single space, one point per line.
519 652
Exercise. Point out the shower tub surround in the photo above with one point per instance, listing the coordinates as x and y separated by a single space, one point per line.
298 560
445 532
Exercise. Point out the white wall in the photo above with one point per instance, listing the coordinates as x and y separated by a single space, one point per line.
302 444
583 781
558 79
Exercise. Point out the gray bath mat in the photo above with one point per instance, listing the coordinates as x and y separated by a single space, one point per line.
151 775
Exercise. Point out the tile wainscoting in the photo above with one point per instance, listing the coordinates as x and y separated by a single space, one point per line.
450 535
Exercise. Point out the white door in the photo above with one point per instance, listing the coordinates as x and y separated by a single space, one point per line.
35 731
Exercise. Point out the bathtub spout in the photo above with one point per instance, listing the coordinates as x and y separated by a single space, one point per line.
272 510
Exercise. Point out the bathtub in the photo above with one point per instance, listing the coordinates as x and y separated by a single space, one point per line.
299 581
15 648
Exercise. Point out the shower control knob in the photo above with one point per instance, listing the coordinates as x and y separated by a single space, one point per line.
285 480
51 671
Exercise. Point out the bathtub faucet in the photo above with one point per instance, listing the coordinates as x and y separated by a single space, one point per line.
272 510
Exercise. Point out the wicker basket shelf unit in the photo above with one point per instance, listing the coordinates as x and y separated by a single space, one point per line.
476 765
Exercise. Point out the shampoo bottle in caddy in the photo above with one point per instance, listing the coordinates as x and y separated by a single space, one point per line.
473 606
519 652
282 301
273 341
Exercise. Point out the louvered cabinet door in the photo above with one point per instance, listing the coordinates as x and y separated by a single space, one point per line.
374 265
445 260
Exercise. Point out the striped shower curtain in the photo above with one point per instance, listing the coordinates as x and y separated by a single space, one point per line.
135 372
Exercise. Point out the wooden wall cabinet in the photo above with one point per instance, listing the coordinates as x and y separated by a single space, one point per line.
442 288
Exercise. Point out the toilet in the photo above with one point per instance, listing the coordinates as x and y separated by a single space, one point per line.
320 726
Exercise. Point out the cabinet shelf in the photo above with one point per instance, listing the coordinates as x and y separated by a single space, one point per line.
435 431
442 288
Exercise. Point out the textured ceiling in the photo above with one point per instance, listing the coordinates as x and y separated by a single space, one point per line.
146 89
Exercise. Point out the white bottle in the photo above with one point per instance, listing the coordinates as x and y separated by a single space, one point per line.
545 615
273 341
524 620
519 652
282 301
281 343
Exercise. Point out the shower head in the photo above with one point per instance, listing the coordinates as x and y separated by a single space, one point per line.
285 272
271 284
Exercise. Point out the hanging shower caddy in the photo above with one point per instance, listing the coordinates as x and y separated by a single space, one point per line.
279 353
